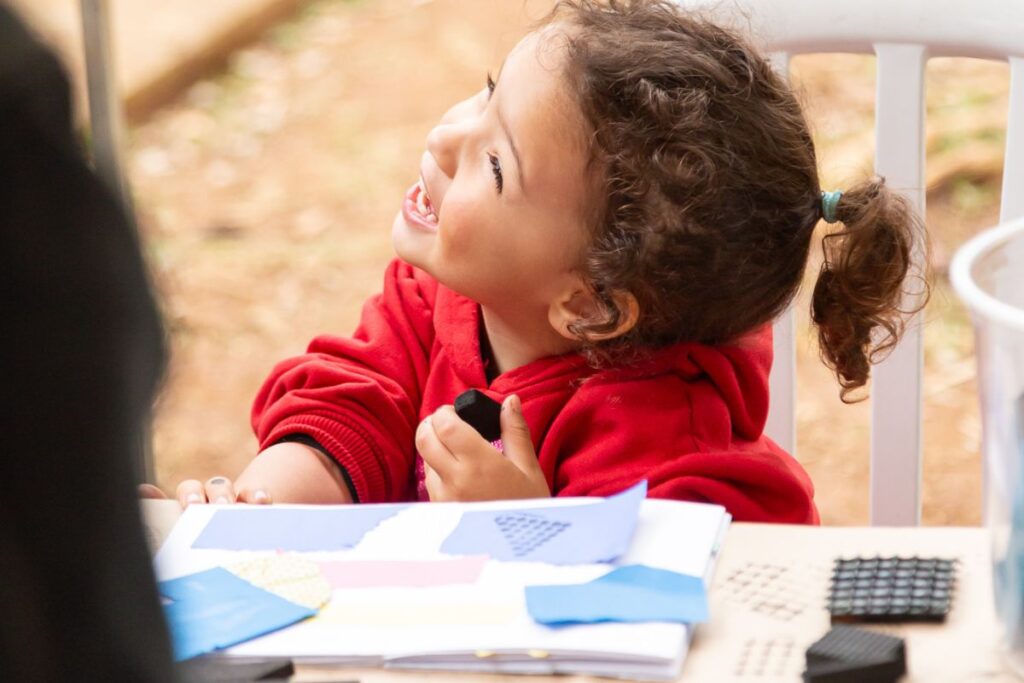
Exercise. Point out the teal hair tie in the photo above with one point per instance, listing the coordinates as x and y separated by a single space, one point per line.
829 201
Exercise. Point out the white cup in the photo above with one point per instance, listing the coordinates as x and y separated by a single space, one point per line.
988 274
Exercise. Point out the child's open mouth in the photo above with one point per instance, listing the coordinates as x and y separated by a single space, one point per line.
423 203
417 209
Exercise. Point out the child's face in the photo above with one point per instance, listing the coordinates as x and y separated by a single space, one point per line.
498 213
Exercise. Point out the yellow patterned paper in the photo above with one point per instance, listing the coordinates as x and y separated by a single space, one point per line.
288 576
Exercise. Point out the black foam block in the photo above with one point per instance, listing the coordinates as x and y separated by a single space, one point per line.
891 589
481 412
849 654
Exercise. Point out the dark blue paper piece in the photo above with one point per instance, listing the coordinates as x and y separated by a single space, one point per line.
578 534
294 529
628 594
215 609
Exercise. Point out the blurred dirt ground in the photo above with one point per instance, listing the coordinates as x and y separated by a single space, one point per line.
267 193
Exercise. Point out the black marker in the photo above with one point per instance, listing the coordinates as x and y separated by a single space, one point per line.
482 413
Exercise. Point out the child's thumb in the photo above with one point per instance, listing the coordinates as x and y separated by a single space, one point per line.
515 435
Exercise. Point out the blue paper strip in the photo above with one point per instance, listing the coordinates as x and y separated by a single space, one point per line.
628 594
215 609
578 534
294 529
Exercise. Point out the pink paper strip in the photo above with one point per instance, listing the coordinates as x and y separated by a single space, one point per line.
372 574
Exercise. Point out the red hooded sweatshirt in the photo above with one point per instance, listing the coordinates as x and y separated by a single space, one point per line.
689 418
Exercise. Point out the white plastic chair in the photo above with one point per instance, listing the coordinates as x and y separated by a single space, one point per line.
903 34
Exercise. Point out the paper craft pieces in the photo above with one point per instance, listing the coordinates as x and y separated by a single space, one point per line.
577 534
293 529
628 594
215 609
376 574
364 613
288 576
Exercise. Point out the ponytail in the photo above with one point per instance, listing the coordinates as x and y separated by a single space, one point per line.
857 298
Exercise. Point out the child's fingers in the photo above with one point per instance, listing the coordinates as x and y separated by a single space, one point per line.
455 433
433 451
219 490
151 492
254 496
515 436
435 487
190 491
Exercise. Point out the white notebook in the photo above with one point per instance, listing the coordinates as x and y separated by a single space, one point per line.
484 625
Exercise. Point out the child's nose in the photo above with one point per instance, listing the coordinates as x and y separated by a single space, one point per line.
444 142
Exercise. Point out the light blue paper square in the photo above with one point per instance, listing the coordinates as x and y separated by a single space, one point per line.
292 529
577 534
214 609
629 594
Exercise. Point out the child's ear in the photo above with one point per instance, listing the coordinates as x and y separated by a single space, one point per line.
564 314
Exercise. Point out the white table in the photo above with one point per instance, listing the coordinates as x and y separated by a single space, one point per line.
767 606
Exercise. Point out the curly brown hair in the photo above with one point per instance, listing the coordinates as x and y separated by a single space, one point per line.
711 195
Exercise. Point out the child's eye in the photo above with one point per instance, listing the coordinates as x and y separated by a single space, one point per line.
499 181
490 85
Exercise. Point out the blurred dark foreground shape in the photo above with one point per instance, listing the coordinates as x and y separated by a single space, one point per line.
81 353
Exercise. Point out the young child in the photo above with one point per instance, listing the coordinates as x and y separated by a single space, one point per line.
599 239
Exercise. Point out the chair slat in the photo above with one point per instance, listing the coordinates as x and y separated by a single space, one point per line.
107 127
896 385
781 425
104 104
1013 169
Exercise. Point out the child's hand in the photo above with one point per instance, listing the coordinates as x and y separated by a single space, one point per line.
294 472
220 490
214 490
460 465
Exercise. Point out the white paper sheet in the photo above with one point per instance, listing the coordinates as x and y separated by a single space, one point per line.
482 626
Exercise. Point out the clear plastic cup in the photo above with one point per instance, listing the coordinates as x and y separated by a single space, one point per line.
988 274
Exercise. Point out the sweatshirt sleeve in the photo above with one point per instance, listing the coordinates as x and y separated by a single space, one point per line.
359 396
611 441
755 484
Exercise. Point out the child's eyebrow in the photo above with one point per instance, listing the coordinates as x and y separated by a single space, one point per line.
508 134
515 152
